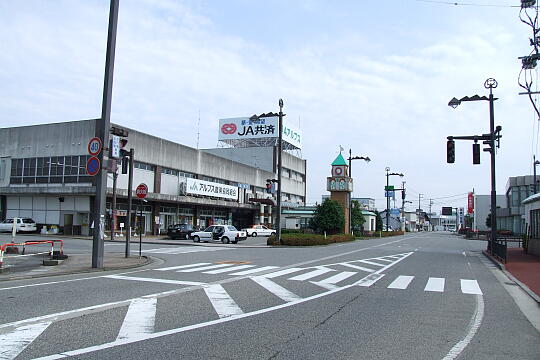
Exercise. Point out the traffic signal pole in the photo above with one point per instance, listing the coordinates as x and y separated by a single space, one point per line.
102 131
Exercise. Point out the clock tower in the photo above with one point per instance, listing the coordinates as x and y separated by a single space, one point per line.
340 185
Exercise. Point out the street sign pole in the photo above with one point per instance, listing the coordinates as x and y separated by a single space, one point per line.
102 132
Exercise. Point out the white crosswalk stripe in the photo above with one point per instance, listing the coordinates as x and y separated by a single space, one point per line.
282 272
182 250
311 274
234 268
215 266
14 342
275 289
435 284
222 302
470 287
254 271
358 267
139 320
181 267
401 282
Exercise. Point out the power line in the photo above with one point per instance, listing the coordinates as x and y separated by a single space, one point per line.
467 4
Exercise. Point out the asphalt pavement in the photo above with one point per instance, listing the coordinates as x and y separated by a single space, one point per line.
418 296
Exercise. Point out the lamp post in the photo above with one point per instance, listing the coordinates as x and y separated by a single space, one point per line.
489 140
535 162
280 149
387 193
366 159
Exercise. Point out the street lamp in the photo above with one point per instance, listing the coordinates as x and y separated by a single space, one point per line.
366 159
387 193
279 182
489 140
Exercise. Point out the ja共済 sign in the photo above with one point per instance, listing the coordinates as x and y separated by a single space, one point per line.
257 128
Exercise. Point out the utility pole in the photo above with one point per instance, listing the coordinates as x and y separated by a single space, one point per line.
403 206
418 211
102 131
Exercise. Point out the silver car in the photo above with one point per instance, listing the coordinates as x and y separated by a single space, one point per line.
23 225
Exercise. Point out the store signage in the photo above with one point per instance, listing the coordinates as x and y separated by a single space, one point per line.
257 128
207 188
470 203
115 146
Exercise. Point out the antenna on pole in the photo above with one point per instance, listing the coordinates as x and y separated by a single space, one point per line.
198 129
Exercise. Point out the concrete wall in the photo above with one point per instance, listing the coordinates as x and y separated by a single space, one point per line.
68 138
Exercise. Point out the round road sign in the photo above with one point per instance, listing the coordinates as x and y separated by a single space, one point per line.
94 146
92 166
142 191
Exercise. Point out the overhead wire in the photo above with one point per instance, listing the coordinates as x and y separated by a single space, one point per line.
456 3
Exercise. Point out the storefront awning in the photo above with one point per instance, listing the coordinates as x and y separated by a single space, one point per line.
263 201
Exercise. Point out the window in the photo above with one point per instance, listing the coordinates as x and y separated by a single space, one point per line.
169 171
143 166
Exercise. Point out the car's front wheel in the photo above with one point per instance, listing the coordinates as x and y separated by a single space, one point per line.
196 239
254 234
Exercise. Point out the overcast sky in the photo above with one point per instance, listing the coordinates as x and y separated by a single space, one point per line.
373 76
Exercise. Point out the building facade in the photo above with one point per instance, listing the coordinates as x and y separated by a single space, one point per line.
43 176
512 215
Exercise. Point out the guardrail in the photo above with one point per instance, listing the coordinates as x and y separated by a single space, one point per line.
34 242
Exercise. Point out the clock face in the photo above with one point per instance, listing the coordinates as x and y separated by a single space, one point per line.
338 171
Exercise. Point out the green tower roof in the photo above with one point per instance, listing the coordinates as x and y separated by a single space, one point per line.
339 160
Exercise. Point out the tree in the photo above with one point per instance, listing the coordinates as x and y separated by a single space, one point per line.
488 221
357 218
328 217
378 221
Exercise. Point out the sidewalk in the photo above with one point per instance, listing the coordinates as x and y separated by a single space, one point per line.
75 264
523 268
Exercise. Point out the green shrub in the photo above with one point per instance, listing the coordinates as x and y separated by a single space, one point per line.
386 233
298 239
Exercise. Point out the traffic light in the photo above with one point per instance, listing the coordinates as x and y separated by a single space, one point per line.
123 151
403 194
450 151
269 187
476 153
125 165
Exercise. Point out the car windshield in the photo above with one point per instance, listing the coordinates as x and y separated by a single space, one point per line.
8 221
209 229
232 228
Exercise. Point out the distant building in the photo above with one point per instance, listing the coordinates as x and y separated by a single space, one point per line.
482 208
367 203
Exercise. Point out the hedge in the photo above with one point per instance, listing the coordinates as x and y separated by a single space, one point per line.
308 239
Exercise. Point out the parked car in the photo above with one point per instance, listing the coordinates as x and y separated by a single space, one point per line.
23 224
223 233
180 231
259 230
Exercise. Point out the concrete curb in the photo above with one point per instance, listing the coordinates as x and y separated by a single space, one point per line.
148 261
155 241
512 277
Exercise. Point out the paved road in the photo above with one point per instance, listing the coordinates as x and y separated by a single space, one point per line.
418 296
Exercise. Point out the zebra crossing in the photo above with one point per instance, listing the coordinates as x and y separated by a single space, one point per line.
182 250
227 303
328 276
